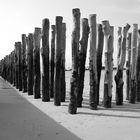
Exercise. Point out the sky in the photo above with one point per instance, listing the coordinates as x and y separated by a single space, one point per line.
21 16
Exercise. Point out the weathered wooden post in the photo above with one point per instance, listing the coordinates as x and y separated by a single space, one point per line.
119 74
45 60
128 66
132 95
138 70
119 44
92 63
16 66
52 61
100 45
13 55
63 48
30 64
108 64
11 68
58 58
36 62
111 58
82 60
24 63
20 66
72 109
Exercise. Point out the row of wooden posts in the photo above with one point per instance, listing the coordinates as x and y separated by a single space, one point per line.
22 67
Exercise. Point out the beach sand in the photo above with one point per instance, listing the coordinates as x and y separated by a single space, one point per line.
116 123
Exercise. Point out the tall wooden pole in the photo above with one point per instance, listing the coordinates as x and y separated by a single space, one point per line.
72 109
63 48
128 66
100 44
119 74
58 58
138 70
82 60
119 44
20 66
108 62
52 60
45 60
133 64
30 64
16 66
24 63
14 74
36 62
92 64
111 58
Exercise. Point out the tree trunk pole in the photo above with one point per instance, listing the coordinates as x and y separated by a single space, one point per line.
100 44
119 44
63 82
13 53
133 64
24 63
14 69
72 109
82 60
119 74
92 64
45 60
36 62
30 64
108 63
58 59
11 68
138 70
52 60
20 66
16 66
111 59
128 66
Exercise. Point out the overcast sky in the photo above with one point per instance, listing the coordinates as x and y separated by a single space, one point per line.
21 16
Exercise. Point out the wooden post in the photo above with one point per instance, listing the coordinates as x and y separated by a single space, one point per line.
24 63
30 64
36 62
111 59
138 70
52 61
16 66
63 48
58 59
128 66
11 68
119 44
45 60
108 62
72 109
12 65
20 66
119 74
82 60
133 64
100 45
92 64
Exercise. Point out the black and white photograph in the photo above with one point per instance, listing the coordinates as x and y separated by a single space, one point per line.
69 69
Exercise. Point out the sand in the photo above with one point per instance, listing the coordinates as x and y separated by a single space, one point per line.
116 123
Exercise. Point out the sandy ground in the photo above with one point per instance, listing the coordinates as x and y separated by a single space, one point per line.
117 123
